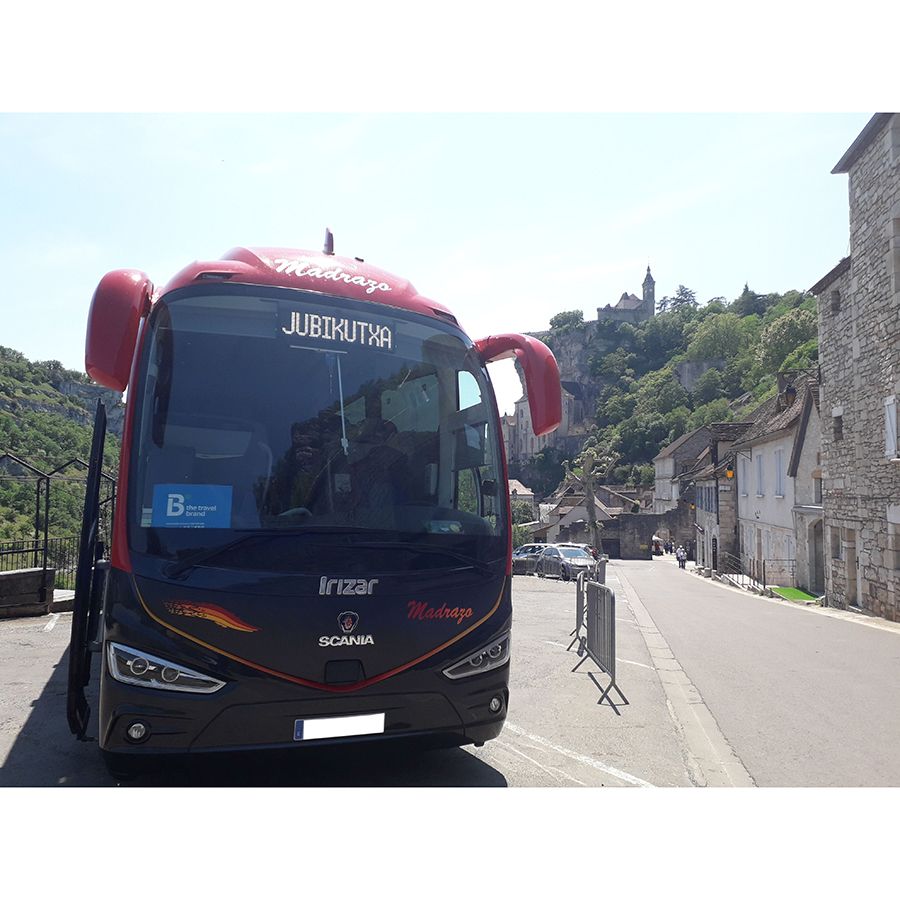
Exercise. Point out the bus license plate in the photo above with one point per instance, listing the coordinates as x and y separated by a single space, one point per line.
344 726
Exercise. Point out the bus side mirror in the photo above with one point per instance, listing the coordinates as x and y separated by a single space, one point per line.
121 300
541 375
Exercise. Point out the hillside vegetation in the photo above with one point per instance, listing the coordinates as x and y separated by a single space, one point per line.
641 405
46 421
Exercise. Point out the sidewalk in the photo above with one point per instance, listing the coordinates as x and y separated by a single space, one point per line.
848 615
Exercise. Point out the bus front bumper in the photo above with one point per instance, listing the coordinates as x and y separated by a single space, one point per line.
241 718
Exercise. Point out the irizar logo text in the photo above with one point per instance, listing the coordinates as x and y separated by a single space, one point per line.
343 587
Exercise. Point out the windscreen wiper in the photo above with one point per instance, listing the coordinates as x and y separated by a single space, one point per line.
470 562
192 560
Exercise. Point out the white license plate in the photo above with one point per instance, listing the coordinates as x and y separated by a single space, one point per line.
344 726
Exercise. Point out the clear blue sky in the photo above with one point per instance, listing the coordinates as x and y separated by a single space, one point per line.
506 218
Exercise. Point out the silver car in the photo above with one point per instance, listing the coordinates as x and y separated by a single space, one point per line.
564 562
524 557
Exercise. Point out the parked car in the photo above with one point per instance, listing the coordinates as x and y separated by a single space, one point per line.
564 562
586 547
524 557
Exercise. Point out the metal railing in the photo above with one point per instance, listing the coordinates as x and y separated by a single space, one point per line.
22 554
595 612
61 554
732 567
755 574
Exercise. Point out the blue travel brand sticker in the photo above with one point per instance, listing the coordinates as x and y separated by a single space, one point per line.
192 506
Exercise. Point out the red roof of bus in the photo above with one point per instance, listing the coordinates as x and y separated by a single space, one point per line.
311 271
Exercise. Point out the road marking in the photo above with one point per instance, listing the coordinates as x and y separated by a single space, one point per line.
550 772
554 644
579 757
631 662
54 618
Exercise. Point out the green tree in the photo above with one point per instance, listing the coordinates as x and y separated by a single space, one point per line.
520 536
707 387
684 298
749 303
721 336
521 512
567 320
806 356
784 335
714 411
659 339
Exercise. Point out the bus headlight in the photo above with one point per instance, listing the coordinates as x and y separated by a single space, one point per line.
132 666
492 656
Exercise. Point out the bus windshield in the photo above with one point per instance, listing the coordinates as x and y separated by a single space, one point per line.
277 412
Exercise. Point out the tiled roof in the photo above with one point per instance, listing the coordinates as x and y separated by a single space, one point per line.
769 419
519 488
668 451
629 301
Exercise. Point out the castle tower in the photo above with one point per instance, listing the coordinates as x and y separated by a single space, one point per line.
649 294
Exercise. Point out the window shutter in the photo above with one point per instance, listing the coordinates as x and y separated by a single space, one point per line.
890 427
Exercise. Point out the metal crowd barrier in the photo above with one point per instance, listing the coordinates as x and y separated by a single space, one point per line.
595 612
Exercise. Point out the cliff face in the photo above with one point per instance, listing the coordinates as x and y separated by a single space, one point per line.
575 348
88 395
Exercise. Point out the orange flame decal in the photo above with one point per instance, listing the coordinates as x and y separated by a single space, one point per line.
211 612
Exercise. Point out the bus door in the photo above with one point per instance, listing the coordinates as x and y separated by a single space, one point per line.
90 580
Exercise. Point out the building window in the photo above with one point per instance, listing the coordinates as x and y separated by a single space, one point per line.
894 545
759 475
817 491
745 479
838 423
893 258
779 473
835 543
835 297
894 139
890 428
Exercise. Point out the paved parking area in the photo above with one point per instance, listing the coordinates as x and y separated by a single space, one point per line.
556 734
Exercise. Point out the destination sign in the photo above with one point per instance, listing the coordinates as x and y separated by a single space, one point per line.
340 330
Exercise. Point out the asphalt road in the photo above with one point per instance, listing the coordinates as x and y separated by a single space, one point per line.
803 696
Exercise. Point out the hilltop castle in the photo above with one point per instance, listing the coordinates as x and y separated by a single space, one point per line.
630 308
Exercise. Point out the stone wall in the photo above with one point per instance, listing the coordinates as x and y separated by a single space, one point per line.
613 314
859 337
636 530
21 593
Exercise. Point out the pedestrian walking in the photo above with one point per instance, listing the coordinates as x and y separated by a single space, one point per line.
681 556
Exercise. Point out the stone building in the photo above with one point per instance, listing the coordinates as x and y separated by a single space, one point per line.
631 308
671 462
715 496
859 358
522 444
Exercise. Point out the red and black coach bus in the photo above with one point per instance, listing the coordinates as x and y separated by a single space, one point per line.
312 535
